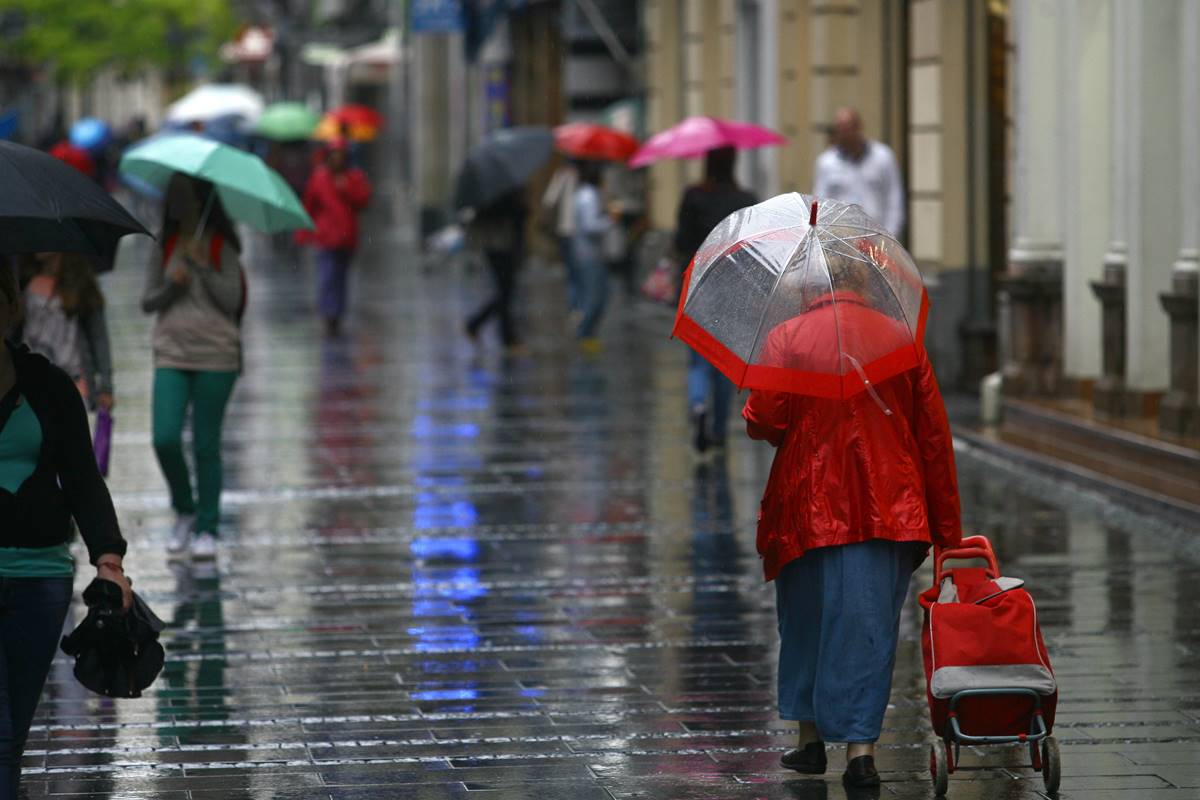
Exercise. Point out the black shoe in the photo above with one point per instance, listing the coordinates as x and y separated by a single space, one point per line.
861 773
811 760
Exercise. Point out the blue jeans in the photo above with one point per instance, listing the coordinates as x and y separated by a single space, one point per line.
707 387
32 611
575 287
839 618
594 275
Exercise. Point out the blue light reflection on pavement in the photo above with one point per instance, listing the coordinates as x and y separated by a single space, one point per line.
444 592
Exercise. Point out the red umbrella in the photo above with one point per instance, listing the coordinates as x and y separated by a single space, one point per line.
77 157
589 140
355 122
358 115
804 296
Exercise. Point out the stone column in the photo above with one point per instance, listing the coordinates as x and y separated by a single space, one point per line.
1154 109
1178 413
1034 277
1085 59
1109 396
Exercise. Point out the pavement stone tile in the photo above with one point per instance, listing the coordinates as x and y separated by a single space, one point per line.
449 573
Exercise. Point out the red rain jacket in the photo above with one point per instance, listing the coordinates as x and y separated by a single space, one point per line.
333 202
846 471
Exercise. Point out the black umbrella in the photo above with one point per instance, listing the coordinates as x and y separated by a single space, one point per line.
116 652
49 206
501 163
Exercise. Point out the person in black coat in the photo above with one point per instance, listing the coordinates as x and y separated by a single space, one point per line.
48 477
702 209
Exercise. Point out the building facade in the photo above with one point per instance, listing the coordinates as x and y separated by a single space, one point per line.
1101 281
1050 153
918 74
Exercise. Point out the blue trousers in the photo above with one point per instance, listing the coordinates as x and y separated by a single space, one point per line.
709 388
574 280
32 611
839 619
333 272
594 275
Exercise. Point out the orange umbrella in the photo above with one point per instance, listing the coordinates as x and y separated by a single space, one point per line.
589 140
355 122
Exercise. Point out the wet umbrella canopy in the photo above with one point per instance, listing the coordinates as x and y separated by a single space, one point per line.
287 122
589 140
695 136
804 295
251 191
48 205
501 163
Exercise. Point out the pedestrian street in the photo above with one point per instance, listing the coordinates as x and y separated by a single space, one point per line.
445 572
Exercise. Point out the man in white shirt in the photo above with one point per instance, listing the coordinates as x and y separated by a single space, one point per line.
856 169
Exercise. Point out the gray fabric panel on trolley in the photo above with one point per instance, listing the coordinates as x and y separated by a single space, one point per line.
949 680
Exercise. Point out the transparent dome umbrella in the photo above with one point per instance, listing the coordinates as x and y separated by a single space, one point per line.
804 295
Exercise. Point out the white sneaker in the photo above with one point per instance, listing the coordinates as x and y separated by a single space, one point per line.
204 547
181 534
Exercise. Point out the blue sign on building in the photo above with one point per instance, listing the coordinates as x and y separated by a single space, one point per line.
436 16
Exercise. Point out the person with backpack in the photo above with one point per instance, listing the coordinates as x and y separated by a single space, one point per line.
196 288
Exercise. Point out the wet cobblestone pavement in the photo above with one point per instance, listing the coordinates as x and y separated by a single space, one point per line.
449 574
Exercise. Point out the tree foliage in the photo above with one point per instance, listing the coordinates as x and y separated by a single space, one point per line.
79 37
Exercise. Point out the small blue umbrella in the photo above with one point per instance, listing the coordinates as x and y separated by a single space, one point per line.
90 134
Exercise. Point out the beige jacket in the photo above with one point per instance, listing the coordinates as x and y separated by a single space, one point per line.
198 322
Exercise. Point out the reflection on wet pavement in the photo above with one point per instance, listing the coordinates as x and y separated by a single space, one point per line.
447 572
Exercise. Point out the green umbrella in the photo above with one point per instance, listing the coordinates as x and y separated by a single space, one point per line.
287 122
251 191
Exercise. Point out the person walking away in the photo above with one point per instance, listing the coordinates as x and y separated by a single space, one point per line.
558 207
335 195
859 170
592 224
65 321
196 289
855 497
498 231
48 478
703 207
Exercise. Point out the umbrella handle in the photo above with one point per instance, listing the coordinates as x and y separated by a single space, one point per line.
858 368
200 226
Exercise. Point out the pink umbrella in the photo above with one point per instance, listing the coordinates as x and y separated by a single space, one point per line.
695 136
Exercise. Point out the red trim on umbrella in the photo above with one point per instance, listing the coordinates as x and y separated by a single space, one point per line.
793 381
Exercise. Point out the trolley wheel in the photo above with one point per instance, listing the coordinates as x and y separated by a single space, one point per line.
938 770
1051 765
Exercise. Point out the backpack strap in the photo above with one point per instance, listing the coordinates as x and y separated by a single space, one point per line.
215 244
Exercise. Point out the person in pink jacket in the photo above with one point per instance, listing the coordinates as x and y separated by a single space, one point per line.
335 194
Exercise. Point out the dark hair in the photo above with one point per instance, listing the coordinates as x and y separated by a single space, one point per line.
218 221
77 286
591 172
718 166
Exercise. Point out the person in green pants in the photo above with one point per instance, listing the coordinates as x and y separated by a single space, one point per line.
196 287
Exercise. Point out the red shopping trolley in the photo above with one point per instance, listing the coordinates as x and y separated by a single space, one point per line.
987 675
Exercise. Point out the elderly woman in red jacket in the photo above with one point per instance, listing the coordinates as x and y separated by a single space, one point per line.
859 490
335 194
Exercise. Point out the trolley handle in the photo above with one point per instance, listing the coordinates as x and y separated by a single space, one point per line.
971 547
